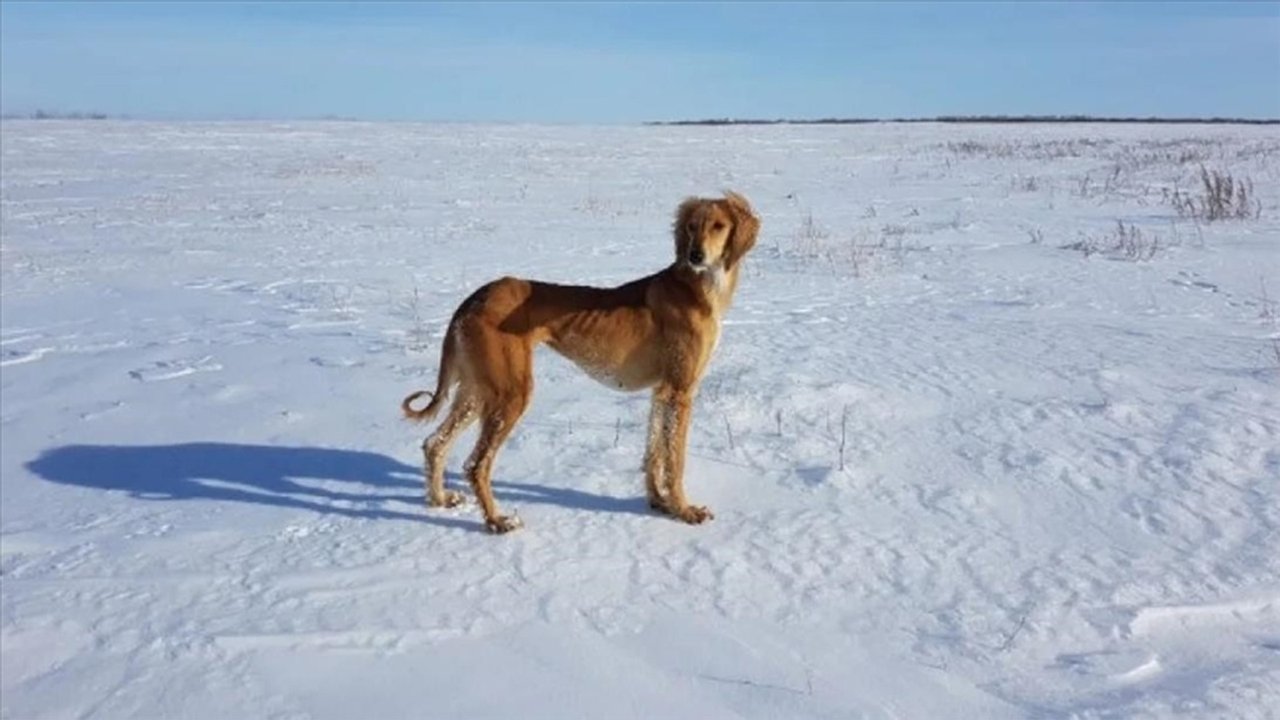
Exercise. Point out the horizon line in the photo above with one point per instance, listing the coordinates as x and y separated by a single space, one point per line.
1001 118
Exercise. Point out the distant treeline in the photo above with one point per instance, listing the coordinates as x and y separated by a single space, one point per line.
980 119
47 115
50 115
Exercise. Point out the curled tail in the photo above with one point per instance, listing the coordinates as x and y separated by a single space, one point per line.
444 381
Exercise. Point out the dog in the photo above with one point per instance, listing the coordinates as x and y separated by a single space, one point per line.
656 333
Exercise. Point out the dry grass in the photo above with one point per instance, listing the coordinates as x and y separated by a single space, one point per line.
1267 313
1131 155
1126 242
417 337
1029 149
863 258
339 167
810 240
1027 183
862 253
1221 197
1130 171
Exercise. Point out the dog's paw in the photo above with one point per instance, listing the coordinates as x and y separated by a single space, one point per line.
503 524
694 514
450 498
657 503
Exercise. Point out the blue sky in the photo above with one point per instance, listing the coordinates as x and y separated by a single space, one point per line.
607 63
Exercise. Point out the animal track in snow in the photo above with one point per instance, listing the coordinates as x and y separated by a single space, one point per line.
18 358
97 410
1165 619
172 369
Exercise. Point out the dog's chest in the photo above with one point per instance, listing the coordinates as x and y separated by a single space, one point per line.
711 342
613 377
720 298
719 294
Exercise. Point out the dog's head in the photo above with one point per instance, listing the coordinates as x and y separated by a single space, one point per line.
713 233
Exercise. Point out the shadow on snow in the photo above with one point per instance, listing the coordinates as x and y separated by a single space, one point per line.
324 480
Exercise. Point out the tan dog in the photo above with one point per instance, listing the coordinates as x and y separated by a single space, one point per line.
656 332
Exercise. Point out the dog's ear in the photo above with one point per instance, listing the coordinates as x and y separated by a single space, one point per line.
746 226
681 227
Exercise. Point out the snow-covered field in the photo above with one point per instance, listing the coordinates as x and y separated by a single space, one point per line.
958 471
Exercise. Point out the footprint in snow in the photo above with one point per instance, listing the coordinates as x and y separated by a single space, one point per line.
15 357
171 369
1189 280
1118 666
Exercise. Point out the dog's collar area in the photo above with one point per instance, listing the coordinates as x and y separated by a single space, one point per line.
712 276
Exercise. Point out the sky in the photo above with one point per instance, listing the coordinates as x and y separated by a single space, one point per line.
625 63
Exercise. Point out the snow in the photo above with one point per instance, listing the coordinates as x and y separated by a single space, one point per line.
957 470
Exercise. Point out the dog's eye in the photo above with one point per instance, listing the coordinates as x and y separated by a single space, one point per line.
717 226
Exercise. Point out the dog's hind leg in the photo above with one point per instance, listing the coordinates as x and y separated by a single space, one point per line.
494 430
435 450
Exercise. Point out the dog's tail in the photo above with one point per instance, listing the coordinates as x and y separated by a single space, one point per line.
444 381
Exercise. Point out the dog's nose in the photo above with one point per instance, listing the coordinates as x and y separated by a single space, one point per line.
696 256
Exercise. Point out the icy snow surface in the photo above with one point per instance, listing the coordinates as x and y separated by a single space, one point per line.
958 471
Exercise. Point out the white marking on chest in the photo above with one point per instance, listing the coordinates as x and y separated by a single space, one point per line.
719 279
717 284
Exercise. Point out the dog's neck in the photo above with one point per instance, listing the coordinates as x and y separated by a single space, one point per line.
715 284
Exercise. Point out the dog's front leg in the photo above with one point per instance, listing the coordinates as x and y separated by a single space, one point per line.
676 407
654 470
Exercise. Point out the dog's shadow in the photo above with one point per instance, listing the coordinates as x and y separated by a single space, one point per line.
514 493
324 480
